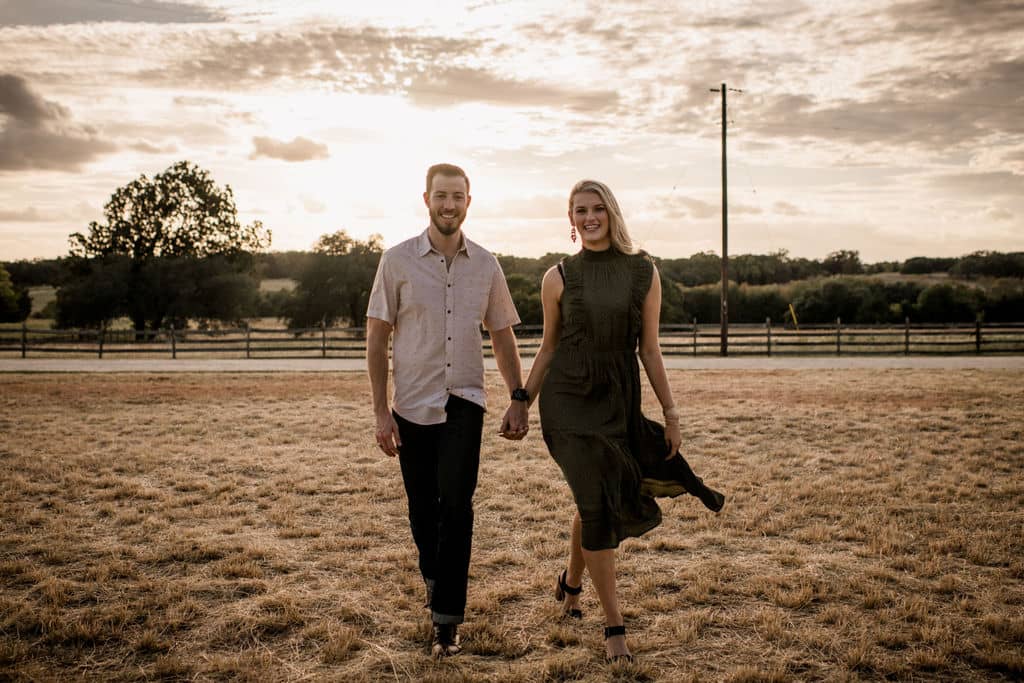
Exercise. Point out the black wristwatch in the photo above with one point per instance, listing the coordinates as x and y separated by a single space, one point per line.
520 395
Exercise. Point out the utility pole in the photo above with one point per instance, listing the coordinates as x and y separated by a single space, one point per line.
725 231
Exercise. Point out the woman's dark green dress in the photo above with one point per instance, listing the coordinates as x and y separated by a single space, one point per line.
612 456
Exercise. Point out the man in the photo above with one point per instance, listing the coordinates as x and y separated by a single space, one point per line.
434 291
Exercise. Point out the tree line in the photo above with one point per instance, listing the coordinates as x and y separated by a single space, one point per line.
332 285
171 251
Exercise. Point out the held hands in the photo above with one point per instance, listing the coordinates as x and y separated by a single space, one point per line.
388 439
515 424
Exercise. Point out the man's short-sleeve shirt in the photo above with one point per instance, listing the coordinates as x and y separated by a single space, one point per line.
436 313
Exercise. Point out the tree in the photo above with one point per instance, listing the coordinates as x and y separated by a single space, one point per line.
338 243
1005 301
180 212
673 303
525 293
989 264
336 283
165 289
162 226
36 272
843 262
702 268
94 292
822 301
15 304
923 265
949 302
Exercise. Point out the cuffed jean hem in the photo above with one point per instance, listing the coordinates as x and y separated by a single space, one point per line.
439 618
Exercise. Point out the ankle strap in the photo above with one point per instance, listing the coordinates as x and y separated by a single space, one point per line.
610 631
571 590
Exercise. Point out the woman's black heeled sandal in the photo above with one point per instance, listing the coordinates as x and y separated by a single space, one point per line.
563 589
611 632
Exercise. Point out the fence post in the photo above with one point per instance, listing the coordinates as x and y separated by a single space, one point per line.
977 335
839 327
247 340
323 338
24 338
906 336
768 326
695 335
174 344
103 329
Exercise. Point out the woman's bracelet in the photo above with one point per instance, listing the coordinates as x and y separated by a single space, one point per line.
671 414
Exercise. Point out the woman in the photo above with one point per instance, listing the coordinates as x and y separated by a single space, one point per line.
599 304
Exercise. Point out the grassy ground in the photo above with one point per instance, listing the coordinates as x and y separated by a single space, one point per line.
242 527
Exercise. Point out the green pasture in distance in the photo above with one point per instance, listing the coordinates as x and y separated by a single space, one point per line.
277 284
41 296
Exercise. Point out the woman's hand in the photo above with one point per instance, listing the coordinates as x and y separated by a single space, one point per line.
673 438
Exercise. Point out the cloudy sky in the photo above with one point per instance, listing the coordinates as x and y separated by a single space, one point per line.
893 127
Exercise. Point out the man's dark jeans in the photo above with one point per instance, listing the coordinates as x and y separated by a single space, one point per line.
439 468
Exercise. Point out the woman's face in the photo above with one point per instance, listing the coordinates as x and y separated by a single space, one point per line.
590 216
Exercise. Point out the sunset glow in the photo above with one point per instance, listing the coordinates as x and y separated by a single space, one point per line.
895 128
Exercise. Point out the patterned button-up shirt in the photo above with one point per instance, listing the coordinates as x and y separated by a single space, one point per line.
436 312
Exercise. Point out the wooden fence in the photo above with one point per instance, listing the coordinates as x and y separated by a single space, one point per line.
676 340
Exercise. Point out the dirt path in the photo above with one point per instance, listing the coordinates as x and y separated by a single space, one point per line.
19 365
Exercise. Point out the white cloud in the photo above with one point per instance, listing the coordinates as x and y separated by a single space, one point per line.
29 215
299 149
313 205
36 13
998 213
38 133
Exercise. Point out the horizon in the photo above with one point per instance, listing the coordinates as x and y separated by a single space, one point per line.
894 129
710 252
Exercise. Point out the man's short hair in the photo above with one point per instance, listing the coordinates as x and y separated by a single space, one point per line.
447 170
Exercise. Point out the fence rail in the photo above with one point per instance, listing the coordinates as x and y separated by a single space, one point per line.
676 340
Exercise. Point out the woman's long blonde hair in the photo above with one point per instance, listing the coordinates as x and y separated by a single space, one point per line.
617 233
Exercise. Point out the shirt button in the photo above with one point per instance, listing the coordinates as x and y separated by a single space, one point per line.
449 311
449 338
449 365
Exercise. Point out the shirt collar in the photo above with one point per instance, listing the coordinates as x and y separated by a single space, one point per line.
424 247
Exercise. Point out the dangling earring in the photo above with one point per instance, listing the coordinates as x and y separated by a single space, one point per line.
572 234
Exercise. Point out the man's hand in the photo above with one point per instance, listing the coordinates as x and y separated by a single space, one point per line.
388 439
515 424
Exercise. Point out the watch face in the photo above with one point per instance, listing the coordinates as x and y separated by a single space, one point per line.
520 395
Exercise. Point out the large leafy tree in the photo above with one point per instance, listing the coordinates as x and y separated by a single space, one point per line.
163 226
179 212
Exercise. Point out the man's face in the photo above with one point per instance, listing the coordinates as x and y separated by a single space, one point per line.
447 201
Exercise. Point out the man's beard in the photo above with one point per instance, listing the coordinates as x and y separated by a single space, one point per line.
447 226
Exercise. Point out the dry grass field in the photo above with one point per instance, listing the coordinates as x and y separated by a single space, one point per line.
243 527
